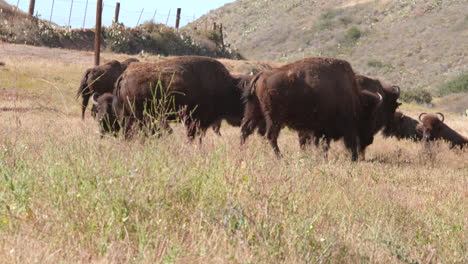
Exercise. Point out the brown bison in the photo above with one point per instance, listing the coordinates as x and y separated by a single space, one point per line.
435 128
105 113
100 79
403 127
199 90
313 95
384 114
242 82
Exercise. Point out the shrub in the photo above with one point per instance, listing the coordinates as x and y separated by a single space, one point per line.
458 84
419 96
375 64
353 34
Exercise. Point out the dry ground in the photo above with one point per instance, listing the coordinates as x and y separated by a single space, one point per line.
67 196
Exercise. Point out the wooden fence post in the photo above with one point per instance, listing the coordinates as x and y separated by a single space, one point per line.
97 35
178 18
221 33
168 15
138 22
85 11
154 15
69 17
51 10
31 7
117 11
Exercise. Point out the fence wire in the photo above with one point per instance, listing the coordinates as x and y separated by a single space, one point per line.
82 14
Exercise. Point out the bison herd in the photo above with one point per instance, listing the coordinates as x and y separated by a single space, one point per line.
320 98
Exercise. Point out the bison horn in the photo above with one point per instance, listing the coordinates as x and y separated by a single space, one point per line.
420 116
441 115
396 88
93 99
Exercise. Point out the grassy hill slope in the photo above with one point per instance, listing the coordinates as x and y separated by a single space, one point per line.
416 44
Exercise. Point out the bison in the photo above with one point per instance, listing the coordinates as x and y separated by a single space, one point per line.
384 114
403 127
313 95
100 79
435 128
199 90
104 113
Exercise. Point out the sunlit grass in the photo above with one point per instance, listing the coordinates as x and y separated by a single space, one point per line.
67 196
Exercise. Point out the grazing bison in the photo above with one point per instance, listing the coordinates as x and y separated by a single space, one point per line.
100 80
384 114
435 128
313 95
403 127
199 90
242 82
105 113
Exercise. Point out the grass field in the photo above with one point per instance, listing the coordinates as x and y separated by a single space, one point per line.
67 196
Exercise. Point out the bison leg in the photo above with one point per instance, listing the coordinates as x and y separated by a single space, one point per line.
216 127
350 141
273 130
304 139
252 118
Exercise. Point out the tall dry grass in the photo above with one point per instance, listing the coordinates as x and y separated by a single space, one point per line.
67 196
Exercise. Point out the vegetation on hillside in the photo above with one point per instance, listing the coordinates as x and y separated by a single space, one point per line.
18 27
415 44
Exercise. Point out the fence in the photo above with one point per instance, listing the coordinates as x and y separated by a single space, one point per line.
82 13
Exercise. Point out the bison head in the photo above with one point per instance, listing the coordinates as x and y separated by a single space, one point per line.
390 95
105 113
403 126
431 125
370 103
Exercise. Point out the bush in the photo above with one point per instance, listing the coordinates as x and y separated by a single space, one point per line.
458 84
419 96
353 34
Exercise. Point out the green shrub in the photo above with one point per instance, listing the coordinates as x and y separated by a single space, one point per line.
458 84
419 96
375 64
353 34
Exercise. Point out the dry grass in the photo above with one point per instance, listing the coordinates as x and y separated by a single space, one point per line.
418 41
67 196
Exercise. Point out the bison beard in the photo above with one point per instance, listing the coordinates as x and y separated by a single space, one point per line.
312 95
201 92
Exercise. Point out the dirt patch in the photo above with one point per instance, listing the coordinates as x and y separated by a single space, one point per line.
29 109
13 51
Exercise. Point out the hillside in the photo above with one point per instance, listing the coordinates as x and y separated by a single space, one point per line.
416 44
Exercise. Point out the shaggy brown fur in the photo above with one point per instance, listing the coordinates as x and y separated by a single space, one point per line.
100 79
312 95
403 127
202 89
435 128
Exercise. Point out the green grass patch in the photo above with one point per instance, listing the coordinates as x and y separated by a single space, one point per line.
459 84
419 96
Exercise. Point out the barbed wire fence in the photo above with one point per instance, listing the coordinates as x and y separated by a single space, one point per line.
82 13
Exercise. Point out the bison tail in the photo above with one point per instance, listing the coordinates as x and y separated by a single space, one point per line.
249 91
